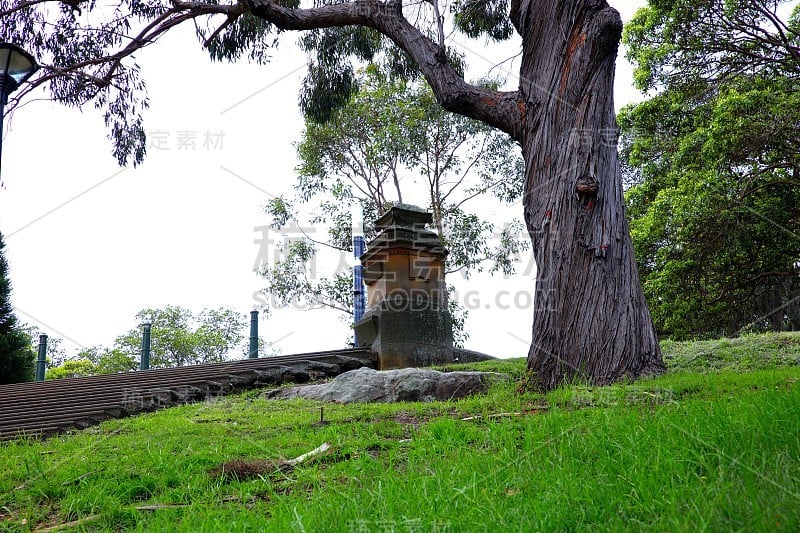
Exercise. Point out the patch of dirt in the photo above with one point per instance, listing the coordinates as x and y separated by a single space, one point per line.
243 469
406 418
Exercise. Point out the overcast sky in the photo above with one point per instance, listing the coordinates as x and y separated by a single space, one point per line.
90 244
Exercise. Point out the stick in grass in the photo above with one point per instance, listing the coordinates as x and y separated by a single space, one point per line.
313 453
248 468
83 476
496 415
74 523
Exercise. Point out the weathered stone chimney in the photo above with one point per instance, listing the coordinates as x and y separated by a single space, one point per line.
406 323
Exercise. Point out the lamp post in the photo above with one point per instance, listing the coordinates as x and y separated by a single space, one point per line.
16 66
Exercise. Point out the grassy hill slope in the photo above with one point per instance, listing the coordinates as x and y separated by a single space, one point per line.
712 445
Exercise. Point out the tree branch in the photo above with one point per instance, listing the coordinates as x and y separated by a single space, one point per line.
230 20
20 6
496 108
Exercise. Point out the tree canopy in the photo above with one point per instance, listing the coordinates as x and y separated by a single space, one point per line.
180 337
716 164
87 50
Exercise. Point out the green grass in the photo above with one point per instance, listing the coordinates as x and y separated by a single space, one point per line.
713 445
751 352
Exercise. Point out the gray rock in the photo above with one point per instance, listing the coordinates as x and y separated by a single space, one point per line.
299 372
462 355
366 385
347 363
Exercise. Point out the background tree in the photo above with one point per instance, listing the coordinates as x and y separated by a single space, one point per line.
265 348
55 354
110 360
590 317
93 361
391 141
716 165
17 360
72 368
180 337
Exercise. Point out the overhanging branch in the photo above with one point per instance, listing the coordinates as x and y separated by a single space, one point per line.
496 108
503 110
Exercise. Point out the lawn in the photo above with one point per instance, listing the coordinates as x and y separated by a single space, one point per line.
712 445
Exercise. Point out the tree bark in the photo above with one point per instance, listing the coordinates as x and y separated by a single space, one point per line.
591 322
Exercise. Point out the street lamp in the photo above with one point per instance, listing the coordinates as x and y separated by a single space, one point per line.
16 66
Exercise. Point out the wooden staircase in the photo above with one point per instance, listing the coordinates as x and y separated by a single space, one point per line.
50 407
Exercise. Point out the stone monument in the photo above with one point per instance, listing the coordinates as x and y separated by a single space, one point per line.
406 323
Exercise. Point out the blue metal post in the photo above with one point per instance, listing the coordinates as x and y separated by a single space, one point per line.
253 354
144 364
41 361
359 247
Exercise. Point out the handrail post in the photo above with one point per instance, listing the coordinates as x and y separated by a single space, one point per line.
253 352
144 364
41 361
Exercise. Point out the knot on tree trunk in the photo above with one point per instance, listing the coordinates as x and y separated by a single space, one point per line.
609 32
587 187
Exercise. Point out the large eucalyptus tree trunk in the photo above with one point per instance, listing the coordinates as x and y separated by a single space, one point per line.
590 321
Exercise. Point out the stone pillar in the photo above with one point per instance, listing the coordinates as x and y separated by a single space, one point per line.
406 323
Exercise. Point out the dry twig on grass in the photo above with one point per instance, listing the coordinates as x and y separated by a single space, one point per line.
496 415
77 479
74 523
248 468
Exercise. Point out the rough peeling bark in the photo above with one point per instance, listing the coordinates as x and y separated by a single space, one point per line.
590 320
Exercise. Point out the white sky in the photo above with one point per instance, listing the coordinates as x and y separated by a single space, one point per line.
90 244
